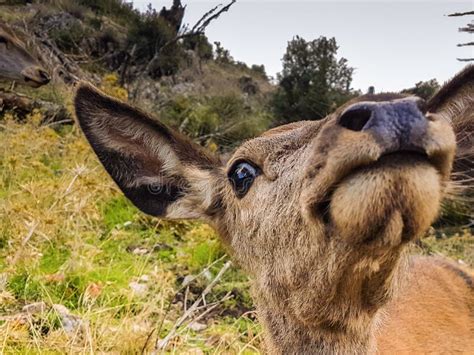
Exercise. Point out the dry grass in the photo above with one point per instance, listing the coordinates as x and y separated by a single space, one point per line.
68 237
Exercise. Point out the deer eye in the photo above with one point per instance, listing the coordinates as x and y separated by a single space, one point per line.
241 176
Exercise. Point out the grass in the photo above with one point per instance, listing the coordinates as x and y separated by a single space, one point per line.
69 237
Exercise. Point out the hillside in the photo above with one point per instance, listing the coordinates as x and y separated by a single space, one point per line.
81 269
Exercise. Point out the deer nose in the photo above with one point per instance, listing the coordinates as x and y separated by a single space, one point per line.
397 125
35 76
44 76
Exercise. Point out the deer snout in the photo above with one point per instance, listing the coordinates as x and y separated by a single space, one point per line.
397 125
35 76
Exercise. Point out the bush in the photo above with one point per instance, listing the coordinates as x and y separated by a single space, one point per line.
313 82
259 70
423 89
221 121
149 33
200 45
69 38
119 9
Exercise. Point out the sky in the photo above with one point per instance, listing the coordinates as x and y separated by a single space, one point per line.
391 44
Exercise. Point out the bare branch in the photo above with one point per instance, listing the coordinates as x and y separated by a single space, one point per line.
197 30
206 23
207 14
465 44
200 27
162 343
456 14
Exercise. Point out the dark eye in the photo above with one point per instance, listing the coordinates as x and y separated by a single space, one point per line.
241 176
3 39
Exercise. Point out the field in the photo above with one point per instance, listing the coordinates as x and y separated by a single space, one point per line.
84 271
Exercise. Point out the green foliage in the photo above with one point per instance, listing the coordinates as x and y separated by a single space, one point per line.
117 211
222 120
423 89
222 55
200 44
119 9
69 38
313 81
151 34
260 70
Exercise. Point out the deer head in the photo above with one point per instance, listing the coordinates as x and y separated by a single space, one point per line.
318 212
16 63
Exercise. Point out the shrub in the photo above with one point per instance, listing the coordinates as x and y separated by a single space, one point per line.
69 38
200 45
149 33
313 81
111 86
222 121
259 70
423 89
119 9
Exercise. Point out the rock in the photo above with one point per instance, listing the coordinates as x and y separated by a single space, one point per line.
161 246
137 250
35 308
138 288
71 323
144 278
60 309
140 251
208 275
187 280
197 327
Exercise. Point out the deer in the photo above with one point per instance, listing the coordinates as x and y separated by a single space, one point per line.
16 63
320 214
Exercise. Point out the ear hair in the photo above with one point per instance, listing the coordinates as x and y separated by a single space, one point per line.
463 82
146 159
455 102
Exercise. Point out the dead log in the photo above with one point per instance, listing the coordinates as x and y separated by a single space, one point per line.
21 106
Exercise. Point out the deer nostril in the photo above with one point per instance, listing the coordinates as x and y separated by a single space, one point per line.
355 119
43 75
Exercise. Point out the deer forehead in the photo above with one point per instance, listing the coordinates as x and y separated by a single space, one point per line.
273 150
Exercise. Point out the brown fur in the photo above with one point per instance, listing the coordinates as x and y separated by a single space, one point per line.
323 229
16 63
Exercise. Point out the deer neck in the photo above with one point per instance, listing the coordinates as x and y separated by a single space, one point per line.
306 319
286 335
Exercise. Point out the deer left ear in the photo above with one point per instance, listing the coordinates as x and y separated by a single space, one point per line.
455 100
161 171
455 103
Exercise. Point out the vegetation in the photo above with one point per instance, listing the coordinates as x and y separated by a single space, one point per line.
81 269
69 237
313 82
424 89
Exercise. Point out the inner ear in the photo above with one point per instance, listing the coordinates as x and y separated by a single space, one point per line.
148 160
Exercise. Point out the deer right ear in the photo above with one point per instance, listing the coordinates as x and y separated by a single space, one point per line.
162 172
455 103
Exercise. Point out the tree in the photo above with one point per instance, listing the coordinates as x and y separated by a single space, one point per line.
313 81
468 29
423 89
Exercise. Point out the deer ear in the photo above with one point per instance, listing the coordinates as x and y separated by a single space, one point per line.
455 102
455 99
162 172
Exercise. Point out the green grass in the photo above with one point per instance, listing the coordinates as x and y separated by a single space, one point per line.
69 237
87 244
